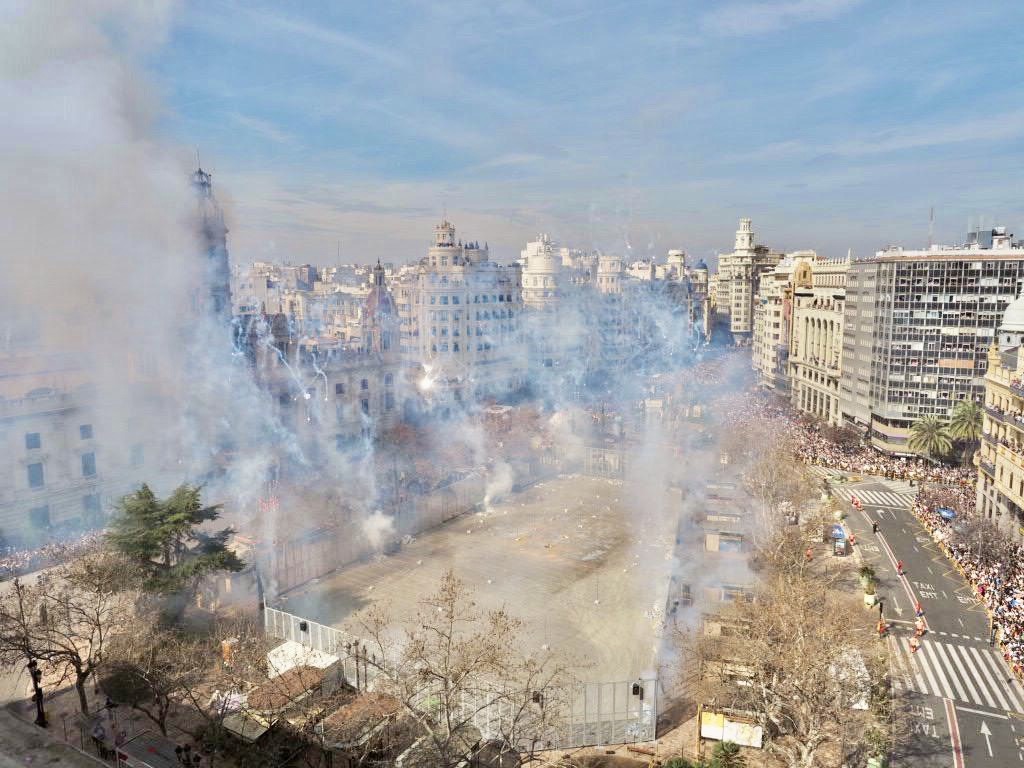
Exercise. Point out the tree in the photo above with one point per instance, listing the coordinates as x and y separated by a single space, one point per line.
796 658
773 476
930 435
163 538
458 663
151 669
965 425
68 616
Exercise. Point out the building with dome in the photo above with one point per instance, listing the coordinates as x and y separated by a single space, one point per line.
461 323
1000 458
917 328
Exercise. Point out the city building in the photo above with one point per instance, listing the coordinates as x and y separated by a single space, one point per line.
544 275
332 392
816 337
66 455
917 325
769 343
739 273
1000 457
460 318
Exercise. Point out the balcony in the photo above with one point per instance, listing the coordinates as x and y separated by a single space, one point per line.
987 467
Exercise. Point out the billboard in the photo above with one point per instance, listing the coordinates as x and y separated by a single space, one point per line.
719 726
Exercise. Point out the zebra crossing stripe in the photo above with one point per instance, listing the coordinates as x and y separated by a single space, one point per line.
986 673
964 673
959 654
944 659
1005 682
927 669
884 498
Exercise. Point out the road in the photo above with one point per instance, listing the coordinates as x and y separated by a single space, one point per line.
964 707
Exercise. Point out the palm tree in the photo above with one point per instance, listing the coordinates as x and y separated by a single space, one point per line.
965 425
930 435
727 755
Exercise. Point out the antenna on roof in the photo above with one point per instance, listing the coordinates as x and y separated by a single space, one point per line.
931 226
199 165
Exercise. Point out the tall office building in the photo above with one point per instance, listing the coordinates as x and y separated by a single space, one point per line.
739 273
916 330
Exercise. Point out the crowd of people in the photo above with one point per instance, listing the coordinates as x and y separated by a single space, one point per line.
989 560
816 447
15 562
821 445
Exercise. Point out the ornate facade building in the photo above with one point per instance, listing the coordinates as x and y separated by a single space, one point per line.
739 273
1000 458
816 348
461 322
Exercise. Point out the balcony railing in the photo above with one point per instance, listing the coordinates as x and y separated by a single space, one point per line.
987 467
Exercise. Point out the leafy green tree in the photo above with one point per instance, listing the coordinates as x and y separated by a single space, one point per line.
930 435
965 425
727 755
164 538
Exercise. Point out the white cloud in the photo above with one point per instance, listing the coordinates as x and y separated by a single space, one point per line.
263 128
743 19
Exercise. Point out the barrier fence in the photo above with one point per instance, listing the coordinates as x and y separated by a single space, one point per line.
595 713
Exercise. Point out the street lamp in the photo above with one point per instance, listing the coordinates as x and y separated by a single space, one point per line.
37 691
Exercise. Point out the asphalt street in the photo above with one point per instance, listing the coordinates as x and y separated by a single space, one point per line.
961 704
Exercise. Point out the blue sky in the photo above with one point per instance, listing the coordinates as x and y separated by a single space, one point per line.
630 126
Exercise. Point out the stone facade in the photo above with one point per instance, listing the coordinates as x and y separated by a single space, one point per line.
739 273
816 346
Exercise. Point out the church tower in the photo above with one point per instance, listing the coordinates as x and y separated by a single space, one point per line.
215 297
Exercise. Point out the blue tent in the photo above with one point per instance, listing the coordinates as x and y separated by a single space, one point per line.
838 532
946 513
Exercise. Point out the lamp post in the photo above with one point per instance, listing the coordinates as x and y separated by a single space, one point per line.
37 691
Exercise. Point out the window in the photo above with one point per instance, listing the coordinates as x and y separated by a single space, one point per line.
138 455
39 517
35 475
389 379
85 431
389 401
455 299
91 506
365 403
88 465
339 389
33 441
444 299
364 384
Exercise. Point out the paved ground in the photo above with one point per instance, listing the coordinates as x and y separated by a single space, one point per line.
964 706
583 561
23 744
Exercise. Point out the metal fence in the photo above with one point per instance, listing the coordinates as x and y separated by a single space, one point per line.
596 713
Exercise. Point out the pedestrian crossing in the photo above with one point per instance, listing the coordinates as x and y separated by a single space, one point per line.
967 673
826 473
884 498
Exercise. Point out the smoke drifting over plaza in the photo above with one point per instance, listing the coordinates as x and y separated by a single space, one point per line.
607 462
